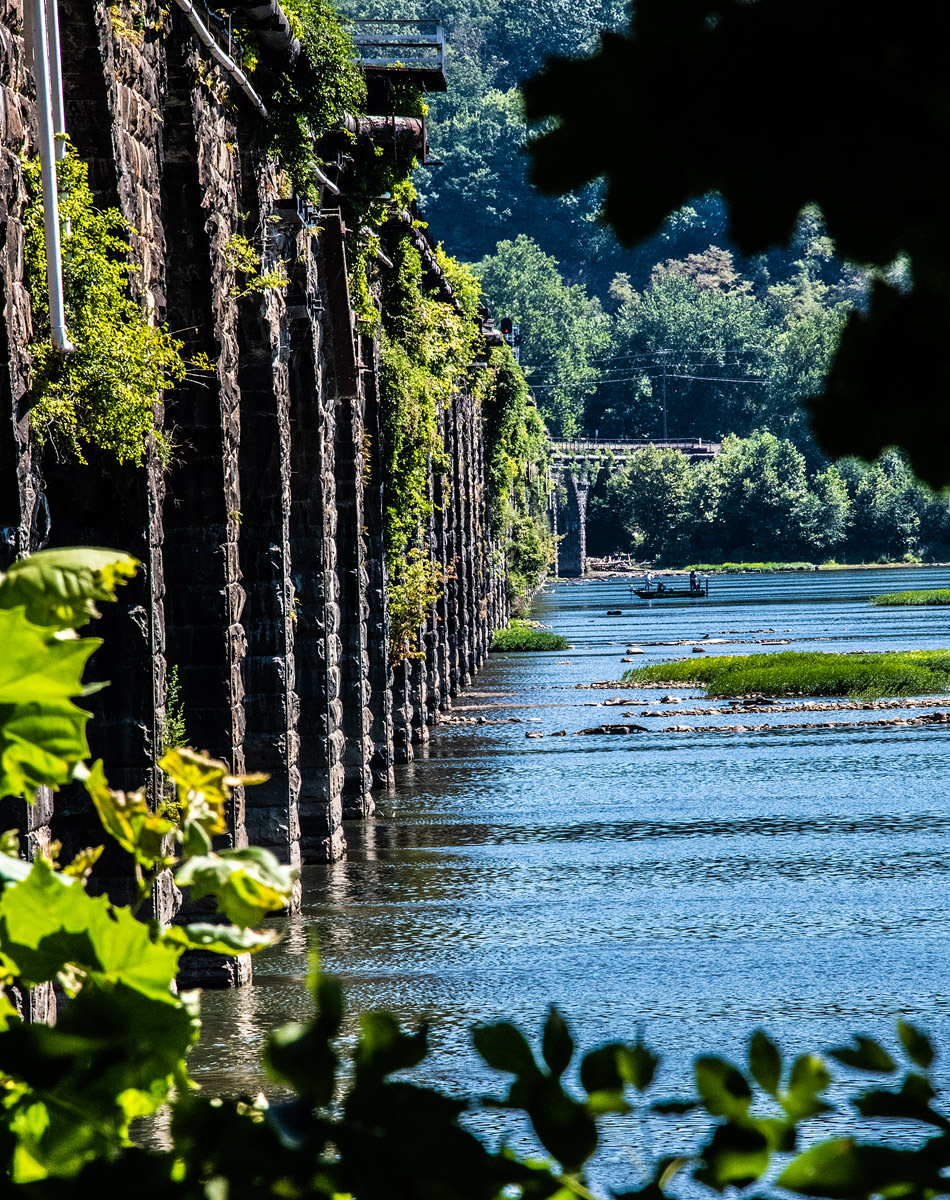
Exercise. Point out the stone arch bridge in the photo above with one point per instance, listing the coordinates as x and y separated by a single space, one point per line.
570 464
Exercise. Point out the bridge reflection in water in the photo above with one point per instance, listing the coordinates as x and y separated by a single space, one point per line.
570 463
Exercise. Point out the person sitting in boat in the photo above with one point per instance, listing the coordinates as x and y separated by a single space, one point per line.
661 586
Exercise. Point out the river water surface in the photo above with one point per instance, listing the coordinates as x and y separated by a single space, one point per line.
693 885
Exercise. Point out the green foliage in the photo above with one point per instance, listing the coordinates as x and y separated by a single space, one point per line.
516 469
59 589
417 585
756 502
388 1136
313 97
427 348
520 636
736 568
174 732
477 127
890 364
104 394
562 329
119 1046
245 260
809 673
937 596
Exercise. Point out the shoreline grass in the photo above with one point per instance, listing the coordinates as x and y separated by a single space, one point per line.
524 635
733 568
804 673
933 598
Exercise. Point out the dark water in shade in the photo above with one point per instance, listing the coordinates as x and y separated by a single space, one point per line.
695 885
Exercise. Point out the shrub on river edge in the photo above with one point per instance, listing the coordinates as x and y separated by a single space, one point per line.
804 673
915 599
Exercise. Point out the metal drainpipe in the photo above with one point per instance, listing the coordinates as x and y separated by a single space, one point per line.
56 78
36 12
207 40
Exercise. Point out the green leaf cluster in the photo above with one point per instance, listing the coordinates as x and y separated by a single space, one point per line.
103 394
427 347
68 1093
312 97
42 600
360 1125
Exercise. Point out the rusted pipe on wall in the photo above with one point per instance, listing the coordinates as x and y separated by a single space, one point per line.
406 133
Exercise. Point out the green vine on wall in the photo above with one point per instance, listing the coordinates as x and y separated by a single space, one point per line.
104 394
427 349
240 255
516 459
311 98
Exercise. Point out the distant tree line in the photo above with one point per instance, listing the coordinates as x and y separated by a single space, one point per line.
700 349
758 501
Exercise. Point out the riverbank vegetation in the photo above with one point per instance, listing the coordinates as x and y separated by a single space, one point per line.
937 596
733 568
347 1121
758 500
524 635
804 673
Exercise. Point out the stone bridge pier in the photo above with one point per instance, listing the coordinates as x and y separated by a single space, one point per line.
572 520
578 463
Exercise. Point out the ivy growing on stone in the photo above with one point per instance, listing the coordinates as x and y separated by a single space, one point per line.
516 460
311 98
104 394
427 349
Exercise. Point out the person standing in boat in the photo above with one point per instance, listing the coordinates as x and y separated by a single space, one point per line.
693 581
649 579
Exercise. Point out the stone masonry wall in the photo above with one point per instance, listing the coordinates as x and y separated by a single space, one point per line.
263 580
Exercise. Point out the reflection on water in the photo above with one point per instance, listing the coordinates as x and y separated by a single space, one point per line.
696 886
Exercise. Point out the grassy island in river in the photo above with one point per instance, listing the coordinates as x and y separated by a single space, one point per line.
522 635
914 599
898 673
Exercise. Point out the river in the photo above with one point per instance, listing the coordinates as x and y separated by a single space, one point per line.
693 885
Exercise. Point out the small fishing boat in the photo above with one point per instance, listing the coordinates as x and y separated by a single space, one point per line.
660 591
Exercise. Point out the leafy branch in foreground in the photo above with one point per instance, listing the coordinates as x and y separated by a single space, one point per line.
69 1092
361 1126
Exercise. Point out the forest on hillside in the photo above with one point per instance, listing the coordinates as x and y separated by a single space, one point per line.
595 316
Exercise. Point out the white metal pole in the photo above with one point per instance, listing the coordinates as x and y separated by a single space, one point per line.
47 148
56 78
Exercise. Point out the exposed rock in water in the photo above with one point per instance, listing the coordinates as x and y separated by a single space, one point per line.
613 729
